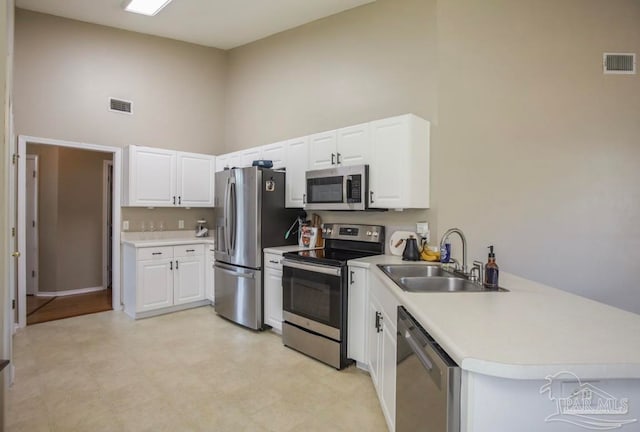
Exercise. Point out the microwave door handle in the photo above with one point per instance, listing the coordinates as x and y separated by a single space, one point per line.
347 189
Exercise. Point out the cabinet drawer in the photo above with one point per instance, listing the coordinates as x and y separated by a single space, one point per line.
273 261
152 253
188 250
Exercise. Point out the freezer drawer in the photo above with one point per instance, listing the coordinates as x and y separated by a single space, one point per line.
238 294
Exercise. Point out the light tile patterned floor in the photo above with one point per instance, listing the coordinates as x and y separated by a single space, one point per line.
187 371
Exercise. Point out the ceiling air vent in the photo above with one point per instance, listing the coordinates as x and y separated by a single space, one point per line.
619 63
119 105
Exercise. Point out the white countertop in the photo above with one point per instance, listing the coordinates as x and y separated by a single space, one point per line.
163 238
283 249
527 333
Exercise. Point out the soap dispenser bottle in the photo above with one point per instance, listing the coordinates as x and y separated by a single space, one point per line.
491 271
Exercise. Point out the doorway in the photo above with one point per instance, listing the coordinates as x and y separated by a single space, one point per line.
77 240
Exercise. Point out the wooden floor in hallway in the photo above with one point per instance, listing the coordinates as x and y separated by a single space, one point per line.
43 309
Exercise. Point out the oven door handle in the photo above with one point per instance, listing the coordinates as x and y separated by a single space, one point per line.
333 271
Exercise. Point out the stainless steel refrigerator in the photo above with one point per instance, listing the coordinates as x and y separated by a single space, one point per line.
250 216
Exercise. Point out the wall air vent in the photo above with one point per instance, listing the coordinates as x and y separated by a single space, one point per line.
119 105
619 63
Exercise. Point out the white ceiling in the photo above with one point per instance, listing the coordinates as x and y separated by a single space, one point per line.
222 24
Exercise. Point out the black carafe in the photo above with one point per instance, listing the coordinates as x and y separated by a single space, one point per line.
411 252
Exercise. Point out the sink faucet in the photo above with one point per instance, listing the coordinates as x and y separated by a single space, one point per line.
458 231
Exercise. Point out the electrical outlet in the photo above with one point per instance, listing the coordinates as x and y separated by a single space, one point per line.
422 229
125 225
180 224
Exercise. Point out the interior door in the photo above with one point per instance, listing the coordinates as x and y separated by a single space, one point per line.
31 224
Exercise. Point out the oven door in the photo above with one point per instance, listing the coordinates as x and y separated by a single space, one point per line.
313 297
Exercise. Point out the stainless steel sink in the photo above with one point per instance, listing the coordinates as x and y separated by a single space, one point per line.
413 270
430 278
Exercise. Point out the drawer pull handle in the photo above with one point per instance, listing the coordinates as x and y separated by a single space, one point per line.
274 262
191 250
156 253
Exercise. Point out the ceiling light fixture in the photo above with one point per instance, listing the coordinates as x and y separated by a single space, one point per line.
146 7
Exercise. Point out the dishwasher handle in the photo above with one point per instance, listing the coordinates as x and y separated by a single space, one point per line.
418 351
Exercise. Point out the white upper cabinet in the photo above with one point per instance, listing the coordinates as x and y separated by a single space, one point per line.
354 143
346 146
399 168
277 153
222 162
195 180
149 177
322 150
249 155
165 178
297 160
235 160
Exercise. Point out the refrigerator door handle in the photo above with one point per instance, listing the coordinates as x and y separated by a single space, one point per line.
234 216
226 216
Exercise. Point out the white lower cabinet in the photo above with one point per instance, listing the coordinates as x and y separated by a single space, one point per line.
163 279
273 291
189 279
209 272
154 284
381 346
357 315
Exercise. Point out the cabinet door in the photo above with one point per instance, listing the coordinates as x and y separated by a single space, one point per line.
235 160
373 341
154 284
353 145
222 162
249 155
276 152
297 160
389 163
152 177
322 150
388 373
189 279
357 315
209 278
195 180
273 298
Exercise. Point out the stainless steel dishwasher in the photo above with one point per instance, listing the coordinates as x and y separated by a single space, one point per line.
427 381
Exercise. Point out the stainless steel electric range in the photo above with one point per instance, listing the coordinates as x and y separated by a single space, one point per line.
315 287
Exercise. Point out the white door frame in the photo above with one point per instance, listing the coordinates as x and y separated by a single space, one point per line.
106 164
117 164
36 226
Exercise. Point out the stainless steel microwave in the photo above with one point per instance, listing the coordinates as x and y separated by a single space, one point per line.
341 188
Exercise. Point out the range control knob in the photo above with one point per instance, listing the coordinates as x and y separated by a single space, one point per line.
369 233
375 233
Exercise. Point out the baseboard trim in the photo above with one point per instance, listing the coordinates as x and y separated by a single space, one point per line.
68 292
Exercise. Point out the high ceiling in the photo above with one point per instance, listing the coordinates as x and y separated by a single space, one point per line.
222 24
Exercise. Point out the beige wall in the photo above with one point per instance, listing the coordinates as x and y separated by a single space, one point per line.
70 217
533 149
66 70
367 63
80 213
536 150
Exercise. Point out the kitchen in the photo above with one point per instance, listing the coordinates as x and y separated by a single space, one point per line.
529 152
